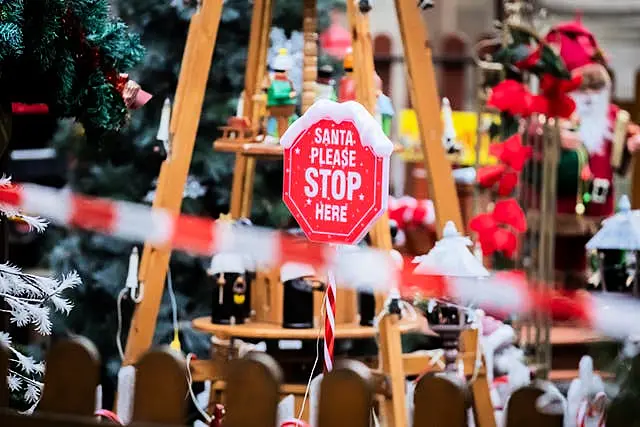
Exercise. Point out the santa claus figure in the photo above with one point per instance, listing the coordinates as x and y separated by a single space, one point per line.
587 141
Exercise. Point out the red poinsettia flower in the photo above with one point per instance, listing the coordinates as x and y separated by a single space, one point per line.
555 101
508 183
488 176
512 152
509 212
531 60
506 242
511 97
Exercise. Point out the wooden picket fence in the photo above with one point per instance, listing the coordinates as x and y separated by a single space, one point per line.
252 394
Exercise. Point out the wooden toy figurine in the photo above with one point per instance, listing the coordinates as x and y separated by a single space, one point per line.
347 86
384 107
299 283
227 273
281 96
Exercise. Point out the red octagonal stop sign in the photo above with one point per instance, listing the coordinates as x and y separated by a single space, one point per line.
336 171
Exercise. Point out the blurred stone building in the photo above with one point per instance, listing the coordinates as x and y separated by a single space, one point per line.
456 25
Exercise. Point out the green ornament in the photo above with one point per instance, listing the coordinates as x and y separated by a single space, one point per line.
586 197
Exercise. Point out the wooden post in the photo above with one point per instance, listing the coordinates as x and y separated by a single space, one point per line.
366 95
424 97
390 362
310 61
244 169
192 84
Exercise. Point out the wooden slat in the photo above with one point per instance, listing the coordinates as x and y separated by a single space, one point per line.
425 100
71 377
252 394
192 82
206 370
160 388
439 402
256 63
483 410
346 396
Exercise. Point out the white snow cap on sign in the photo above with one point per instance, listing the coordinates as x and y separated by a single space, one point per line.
451 257
227 263
294 270
371 133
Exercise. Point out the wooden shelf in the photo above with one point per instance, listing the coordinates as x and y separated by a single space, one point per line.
567 224
273 331
258 149
568 335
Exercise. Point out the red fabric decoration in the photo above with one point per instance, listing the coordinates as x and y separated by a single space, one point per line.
488 176
508 183
506 242
509 212
483 223
511 97
19 108
554 101
511 152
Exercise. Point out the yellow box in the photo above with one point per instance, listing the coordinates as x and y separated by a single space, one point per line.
465 124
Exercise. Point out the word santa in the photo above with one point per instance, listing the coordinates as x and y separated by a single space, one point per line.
331 179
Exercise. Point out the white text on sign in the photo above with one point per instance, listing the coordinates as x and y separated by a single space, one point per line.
326 177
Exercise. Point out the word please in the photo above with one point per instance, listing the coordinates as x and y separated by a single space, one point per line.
330 183
325 156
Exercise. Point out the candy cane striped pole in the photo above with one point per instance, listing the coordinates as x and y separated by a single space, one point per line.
329 322
611 315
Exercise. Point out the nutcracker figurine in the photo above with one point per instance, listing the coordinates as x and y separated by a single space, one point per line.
347 86
592 144
227 276
325 84
299 283
384 107
281 96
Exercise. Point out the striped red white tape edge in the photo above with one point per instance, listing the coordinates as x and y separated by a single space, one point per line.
613 315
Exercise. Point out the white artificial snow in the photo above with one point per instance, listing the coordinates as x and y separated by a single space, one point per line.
451 257
28 299
371 133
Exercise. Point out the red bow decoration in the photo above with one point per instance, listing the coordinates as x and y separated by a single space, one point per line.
554 101
497 231
513 156
511 97
120 82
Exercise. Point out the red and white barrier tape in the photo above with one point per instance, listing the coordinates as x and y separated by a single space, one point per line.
611 315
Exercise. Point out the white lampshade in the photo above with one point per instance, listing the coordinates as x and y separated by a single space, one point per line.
227 263
294 270
451 257
621 231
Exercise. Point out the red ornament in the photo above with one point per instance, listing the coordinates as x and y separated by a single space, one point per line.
511 97
335 40
336 172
